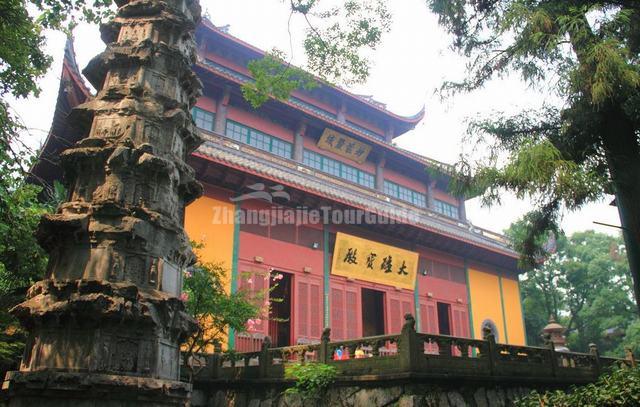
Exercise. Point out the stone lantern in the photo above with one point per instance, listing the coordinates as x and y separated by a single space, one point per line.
554 332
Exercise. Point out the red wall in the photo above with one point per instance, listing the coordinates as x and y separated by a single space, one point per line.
259 123
206 103
443 196
283 256
401 179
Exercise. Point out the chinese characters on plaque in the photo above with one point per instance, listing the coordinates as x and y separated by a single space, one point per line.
344 146
367 260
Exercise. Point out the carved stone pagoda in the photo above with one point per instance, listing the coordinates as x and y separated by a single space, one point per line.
106 324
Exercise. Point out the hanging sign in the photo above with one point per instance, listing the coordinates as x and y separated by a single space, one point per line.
344 146
367 260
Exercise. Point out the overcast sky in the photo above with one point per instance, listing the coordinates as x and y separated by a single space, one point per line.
413 60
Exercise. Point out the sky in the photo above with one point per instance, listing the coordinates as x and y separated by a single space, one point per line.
412 61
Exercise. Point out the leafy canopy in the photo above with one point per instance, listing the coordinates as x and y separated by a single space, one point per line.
214 309
585 284
273 77
23 62
586 53
336 42
22 260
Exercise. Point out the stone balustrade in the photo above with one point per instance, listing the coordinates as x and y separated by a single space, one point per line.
415 355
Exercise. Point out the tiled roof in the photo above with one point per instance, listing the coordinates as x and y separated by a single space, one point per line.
245 158
363 99
299 103
330 117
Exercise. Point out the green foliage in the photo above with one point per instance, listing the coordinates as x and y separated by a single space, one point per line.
586 286
215 310
22 58
23 61
631 339
587 53
57 14
274 78
334 49
22 260
619 388
312 379
335 45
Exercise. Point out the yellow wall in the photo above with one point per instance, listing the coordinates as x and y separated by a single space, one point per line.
513 311
487 300
203 226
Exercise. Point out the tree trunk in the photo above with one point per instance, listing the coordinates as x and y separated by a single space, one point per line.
623 156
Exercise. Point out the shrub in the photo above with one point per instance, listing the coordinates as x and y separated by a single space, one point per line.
618 388
312 379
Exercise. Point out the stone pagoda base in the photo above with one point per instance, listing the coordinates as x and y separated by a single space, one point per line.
65 389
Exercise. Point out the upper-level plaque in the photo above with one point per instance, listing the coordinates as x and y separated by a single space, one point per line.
343 145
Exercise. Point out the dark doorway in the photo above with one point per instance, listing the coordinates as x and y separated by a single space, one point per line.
280 319
372 312
444 319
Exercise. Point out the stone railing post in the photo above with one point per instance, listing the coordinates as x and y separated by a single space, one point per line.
597 363
629 356
265 357
493 353
213 365
488 336
214 361
553 358
323 353
408 345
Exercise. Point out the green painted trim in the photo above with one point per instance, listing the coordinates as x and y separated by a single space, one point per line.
416 305
504 314
470 308
524 326
326 271
234 267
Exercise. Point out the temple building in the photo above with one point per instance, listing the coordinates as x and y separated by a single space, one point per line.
310 202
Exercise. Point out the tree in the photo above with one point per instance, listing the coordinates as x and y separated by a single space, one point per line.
336 41
22 260
23 61
585 51
218 311
213 308
585 285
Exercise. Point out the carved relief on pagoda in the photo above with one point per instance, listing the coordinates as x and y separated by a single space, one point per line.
117 350
82 187
177 147
158 83
112 126
135 32
186 45
168 359
160 138
122 77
